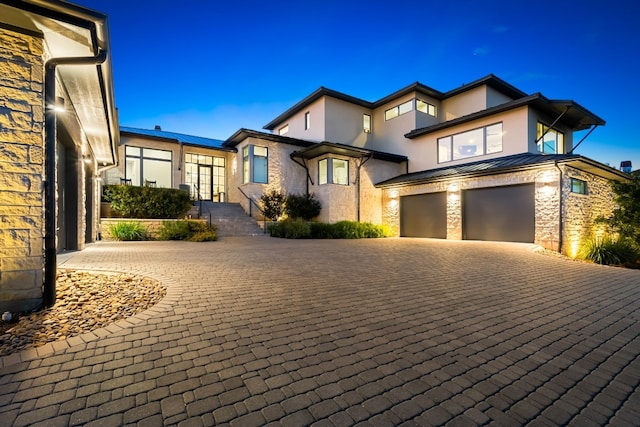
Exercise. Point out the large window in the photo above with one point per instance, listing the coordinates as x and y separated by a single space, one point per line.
549 141
255 160
333 171
398 110
475 142
147 164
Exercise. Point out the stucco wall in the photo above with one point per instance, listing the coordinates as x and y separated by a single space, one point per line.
579 210
21 170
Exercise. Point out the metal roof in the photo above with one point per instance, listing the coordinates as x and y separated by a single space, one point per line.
503 165
173 136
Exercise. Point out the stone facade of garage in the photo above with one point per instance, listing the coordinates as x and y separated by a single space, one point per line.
578 210
21 169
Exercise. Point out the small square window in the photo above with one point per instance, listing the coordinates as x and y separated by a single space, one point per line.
283 130
578 186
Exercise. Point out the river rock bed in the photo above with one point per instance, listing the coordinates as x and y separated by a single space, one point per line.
85 301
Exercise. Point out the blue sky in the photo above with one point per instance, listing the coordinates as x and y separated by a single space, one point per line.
209 67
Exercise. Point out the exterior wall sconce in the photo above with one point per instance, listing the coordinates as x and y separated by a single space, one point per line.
453 188
86 158
393 194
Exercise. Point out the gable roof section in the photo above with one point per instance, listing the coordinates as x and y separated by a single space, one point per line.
491 81
173 137
575 116
503 165
243 134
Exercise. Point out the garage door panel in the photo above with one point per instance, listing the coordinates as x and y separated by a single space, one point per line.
424 215
499 213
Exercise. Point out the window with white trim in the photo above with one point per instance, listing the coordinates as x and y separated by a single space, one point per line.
333 171
283 130
398 110
255 160
471 143
366 123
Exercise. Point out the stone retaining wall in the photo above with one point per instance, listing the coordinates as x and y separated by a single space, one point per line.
152 225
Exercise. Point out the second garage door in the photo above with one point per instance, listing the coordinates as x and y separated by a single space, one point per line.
504 214
424 215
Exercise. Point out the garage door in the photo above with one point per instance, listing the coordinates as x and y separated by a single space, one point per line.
424 215
500 213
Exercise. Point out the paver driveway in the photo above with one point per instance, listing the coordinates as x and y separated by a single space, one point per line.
366 332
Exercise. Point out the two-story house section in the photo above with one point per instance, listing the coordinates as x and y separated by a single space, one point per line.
484 161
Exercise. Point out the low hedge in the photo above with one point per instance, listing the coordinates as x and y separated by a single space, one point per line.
300 229
128 201
193 231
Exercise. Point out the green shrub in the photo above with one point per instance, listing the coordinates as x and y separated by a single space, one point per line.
147 202
290 229
194 231
610 251
128 231
321 230
272 204
300 229
304 206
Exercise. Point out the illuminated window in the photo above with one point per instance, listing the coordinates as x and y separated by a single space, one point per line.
578 186
147 164
255 161
333 171
307 120
283 130
475 142
549 141
398 110
425 107
366 123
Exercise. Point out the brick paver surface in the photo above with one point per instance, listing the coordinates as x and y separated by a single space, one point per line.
258 331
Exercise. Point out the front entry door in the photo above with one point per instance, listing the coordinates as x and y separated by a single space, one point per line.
204 181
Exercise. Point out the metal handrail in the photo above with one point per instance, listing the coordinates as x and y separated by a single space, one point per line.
199 200
253 202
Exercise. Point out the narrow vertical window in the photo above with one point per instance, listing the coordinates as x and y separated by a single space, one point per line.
323 172
307 120
366 123
260 172
245 165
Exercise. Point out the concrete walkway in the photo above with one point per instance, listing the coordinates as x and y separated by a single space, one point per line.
381 332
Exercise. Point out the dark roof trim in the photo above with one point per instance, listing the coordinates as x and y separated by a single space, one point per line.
491 81
243 134
323 148
418 87
579 118
518 162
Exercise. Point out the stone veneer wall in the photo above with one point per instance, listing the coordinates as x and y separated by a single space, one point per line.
21 170
580 210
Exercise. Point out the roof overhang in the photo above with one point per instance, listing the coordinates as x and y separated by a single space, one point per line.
243 134
502 165
325 148
71 31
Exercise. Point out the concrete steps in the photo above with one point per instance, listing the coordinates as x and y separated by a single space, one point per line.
230 219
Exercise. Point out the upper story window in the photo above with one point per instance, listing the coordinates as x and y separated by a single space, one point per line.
475 142
255 160
307 120
283 130
333 171
578 186
398 110
366 123
148 164
425 107
548 140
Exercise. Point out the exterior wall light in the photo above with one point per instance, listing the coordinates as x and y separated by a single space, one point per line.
59 105
86 158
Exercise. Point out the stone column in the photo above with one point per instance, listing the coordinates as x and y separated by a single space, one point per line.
21 170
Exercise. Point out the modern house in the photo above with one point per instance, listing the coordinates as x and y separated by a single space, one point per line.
484 161
58 131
